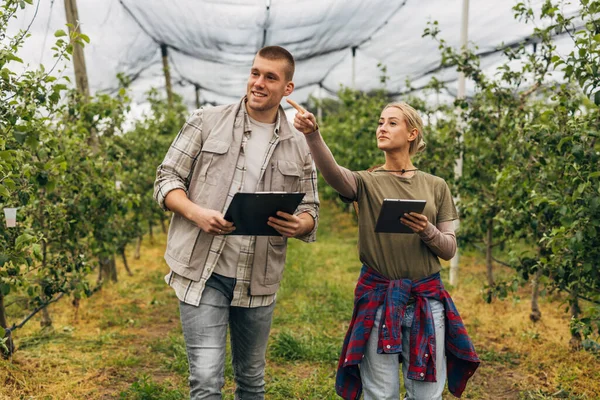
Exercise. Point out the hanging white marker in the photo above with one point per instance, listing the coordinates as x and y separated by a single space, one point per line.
118 185
10 213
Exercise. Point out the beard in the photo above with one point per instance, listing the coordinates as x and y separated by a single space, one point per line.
260 103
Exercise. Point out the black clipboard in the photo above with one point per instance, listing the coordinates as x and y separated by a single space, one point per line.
250 212
391 212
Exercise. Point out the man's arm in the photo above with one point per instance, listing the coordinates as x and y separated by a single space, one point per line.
303 224
175 169
210 221
290 225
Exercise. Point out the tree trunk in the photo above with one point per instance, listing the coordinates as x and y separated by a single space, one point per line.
488 254
150 234
138 246
536 314
124 257
76 302
575 342
46 321
163 225
4 324
108 269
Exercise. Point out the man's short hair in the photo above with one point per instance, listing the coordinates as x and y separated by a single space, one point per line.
279 53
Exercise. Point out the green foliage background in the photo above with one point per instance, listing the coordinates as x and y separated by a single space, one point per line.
529 193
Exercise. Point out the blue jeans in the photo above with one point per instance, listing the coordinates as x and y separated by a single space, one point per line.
205 334
380 372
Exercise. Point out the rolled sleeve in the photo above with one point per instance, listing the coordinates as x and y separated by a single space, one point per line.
174 172
310 202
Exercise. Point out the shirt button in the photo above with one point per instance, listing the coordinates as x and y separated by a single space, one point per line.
383 326
426 355
422 374
388 346
346 360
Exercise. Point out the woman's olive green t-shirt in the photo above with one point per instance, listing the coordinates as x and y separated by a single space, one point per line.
397 255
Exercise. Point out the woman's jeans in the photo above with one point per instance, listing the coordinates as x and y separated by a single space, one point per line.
380 372
205 333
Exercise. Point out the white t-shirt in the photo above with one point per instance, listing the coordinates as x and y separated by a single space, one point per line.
255 151
256 148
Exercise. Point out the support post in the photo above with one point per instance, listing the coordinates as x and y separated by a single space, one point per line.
197 92
165 60
320 106
458 168
81 79
354 67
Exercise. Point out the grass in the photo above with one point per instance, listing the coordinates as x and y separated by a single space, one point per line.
125 342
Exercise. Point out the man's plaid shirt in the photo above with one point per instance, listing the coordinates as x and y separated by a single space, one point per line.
374 290
189 291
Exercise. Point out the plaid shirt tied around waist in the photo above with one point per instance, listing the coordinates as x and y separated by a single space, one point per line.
374 290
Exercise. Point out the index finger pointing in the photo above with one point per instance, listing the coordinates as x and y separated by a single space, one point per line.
296 106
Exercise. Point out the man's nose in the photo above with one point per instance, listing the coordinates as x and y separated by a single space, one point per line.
260 81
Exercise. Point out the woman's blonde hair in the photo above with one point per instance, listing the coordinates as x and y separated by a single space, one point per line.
413 121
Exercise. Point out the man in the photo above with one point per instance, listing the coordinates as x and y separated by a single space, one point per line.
232 280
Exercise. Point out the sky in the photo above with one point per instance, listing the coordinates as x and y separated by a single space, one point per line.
212 42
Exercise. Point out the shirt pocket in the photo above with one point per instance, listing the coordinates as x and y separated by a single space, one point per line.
276 253
286 176
211 159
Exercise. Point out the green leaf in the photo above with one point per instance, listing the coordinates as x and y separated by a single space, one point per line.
4 289
7 155
60 33
4 192
2 332
12 57
23 239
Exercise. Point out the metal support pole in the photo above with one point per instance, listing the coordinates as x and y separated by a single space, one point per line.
458 168
319 105
197 92
354 68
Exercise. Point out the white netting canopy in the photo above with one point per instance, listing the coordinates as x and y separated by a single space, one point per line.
211 43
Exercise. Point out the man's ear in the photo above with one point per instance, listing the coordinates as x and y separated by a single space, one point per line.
289 88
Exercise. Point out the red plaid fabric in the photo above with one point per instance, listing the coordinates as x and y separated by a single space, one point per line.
374 290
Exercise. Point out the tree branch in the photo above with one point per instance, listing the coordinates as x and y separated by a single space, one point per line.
38 309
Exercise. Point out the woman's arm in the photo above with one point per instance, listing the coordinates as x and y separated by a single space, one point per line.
440 239
339 178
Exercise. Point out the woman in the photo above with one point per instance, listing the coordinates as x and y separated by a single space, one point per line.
402 312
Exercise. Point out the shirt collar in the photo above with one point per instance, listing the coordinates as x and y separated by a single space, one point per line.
247 126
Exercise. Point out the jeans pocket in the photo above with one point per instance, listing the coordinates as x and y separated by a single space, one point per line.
438 313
